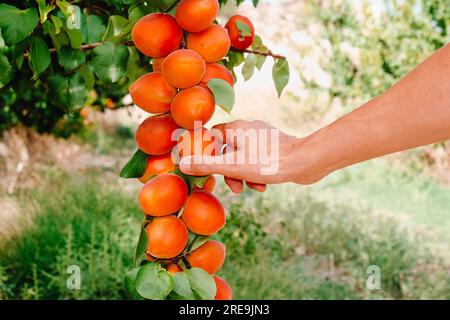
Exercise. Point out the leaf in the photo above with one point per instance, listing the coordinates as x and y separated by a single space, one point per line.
202 283
243 28
110 61
182 289
7 71
196 241
16 24
138 12
129 283
135 167
88 76
44 10
116 25
75 37
39 58
70 59
57 22
260 60
141 247
223 94
235 59
153 282
280 74
68 91
134 68
249 67
92 28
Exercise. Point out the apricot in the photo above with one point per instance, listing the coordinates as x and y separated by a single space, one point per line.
156 35
183 68
157 165
174 268
203 213
209 257
191 105
196 15
167 237
212 43
152 93
237 38
163 195
218 71
154 135
149 257
209 185
223 289
197 142
157 64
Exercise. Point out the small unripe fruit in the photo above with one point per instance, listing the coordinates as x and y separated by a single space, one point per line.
196 15
237 38
167 237
157 165
223 290
209 257
154 135
217 71
156 35
183 68
212 43
163 195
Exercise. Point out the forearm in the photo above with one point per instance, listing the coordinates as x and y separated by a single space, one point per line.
415 112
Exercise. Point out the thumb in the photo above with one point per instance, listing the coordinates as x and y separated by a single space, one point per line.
204 165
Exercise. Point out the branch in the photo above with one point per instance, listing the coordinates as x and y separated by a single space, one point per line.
267 53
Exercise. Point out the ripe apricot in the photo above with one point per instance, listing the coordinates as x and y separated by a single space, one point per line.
203 213
197 142
196 15
149 257
218 71
157 64
183 68
152 93
212 43
174 268
167 237
157 165
163 195
223 289
209 257
209 185
154 135
156 35
191 105
240 40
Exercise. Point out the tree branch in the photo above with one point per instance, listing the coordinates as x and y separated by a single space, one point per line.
267 53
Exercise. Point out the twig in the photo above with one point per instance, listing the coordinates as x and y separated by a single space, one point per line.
267 53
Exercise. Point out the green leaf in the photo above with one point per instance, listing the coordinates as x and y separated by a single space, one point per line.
44 10
153 282
92 28
249 67
88 76
59 40
142 245
182 289
260 60
195 242
243 28
129 283
68 91
7 71
138 12
17 52
71 59
235 59
280 74
58 24
39 58
116 25
134 68
135 167
223 93
16 24
110 62
202 283
75 37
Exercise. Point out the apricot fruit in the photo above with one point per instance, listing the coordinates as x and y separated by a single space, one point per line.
157 34
203 213
174 268
209 257
191 105
154 135
157 64
183 68
163 195
237 38
152 93
212 43
196 15
197 142
157 165
217 71
167 237
209 185
223 289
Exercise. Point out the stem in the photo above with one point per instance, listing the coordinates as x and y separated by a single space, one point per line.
186 263
267 53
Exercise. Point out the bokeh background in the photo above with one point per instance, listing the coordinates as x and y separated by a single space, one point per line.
62 203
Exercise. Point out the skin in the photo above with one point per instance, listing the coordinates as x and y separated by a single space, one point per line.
413 113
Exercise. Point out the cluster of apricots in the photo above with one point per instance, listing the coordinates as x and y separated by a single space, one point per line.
186 51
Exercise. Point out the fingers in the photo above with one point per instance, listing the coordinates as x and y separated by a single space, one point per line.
257 186
206 165
235 185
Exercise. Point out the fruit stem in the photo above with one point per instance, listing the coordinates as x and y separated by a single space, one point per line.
186 263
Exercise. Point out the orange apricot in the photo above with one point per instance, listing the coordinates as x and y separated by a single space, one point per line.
218 71
240 40
157 64
183 68
209 185
152 93
154 135
223 289
157 165
163 195
203 213
212 43
157 34
174 268
167 237
196 15
193 105
209 257
197 142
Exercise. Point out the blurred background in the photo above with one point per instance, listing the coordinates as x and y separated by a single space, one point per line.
62 202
